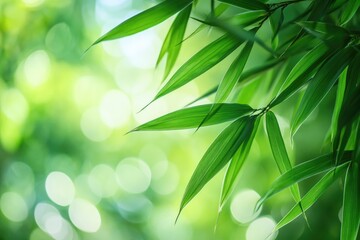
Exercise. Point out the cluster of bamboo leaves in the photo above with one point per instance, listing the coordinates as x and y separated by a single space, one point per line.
323 34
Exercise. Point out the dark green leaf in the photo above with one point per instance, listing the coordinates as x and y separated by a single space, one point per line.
247 18
279 150
247 4
173 39
351 6
218 155
235 166
202 61
192 117
145 19
351 203
312 195
323 30
318 88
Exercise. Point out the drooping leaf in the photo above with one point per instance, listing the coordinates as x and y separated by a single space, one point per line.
351 203
145 19
233 74
351 6
191 117
301 73
235 166
173 39
218 155
247 4
279 151
318 88
202 61
303 171
312 195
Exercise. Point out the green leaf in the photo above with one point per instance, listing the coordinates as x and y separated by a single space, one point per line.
312 195
173 39
202 61
145 19
233 74
247 4
351 203
301 172
247 18
279 151
235 166
350 109
218 155
204 95
323 30
318 88
301 73
191 117
351 6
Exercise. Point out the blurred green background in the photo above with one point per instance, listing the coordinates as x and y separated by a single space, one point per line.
68 171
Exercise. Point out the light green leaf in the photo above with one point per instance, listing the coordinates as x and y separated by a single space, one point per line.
279 151
351 203
233 74
351 6
145 19
301 73
312 195
218 155
173 39
301 172
202 61
247 18
247 4
191 117
235 166
206 94
318 88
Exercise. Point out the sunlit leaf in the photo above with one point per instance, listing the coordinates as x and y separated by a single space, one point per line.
349 10
173 39
312 195
202 61
236 163
191 117
279 151
218 155
303 171
145 19
247 4
351 203
318 88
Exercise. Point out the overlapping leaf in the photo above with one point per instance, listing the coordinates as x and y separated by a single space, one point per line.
145 19
247 4
351 6
218 155
191 117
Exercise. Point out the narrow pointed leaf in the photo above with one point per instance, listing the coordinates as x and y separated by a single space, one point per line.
303 171
205 95
318 88
247 4
218 155
235 166
312 195
323 30
233 74
351 204
172 42
191 117
279 151
248 18
351 7
202 61
145 19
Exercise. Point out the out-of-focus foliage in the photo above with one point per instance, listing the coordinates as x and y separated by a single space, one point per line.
70 171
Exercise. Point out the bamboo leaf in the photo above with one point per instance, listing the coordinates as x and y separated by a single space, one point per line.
202 61
279 151
247 4
205 95
312 195
301 172
351 6
247 18
235 166
323 30
145 19
173 39
318 88
191 117
217 156
351 203
233 74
